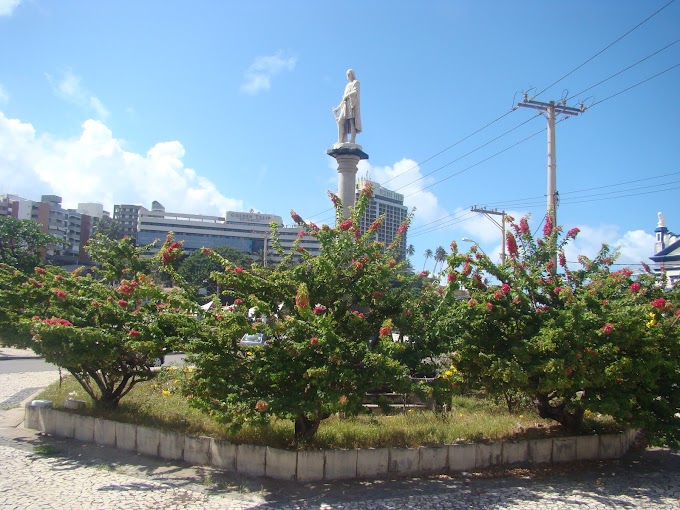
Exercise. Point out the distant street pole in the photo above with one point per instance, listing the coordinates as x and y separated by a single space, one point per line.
500 225
552 109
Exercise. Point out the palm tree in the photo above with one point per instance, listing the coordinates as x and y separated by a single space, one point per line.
410 250
428 254
439 257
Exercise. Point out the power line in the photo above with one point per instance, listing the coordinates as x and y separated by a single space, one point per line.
633 86
623 70
467 154
606 48
449 147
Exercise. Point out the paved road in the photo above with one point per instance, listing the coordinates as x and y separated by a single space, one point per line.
40 472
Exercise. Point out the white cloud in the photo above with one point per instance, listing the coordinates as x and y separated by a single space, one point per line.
405 177
4 97
635 245
259 75
70 88
95 168
8 6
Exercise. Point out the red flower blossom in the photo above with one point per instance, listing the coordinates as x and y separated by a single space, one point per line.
35 318
346 225
607 329
472 303
498 294
60 294
635 287
489 306
375 226
524 226
573 233
207 251
562 259
357 265
358 314
424 274
55 321
548 226
558 290
367 190
516 300
35 283
301 234
452 276
550 265
342 400
391 263
261 406
314 341
319 310
134 333
39 270
505 288
126 289
403 228
511 244
238 270
122 303
467 269
385 330
238 301
296 217
659 303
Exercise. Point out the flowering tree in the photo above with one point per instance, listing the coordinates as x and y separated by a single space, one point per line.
105 334
575 340
327 319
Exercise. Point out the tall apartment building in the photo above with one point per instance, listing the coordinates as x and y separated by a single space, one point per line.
247 232
387 202
72 226
127 217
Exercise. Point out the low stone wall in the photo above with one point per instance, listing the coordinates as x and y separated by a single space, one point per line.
318 465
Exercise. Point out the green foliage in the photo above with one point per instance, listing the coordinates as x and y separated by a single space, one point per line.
21 242
588 340
327 319
198 267
105 334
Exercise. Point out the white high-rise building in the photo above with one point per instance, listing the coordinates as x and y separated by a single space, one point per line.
387 202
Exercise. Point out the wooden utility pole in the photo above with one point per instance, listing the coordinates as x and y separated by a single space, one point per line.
551 110
488 213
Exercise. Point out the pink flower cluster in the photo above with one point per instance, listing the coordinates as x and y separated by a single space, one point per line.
346 225
659 303
55 321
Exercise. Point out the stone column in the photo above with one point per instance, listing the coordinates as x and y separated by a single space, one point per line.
348 156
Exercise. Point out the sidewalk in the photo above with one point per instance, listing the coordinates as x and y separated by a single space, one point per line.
8 353
46 472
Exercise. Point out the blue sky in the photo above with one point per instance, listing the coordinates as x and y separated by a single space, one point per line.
214 106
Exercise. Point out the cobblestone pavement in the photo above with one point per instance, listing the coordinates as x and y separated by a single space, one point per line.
41 472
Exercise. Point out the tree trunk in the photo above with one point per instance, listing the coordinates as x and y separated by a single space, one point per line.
305 428
571 421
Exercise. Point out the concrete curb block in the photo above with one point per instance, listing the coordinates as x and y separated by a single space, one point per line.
318 465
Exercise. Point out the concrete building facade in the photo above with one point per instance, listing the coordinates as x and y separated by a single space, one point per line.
248 232
387 202
666 253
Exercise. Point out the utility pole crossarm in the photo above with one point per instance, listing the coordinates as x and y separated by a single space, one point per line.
488 213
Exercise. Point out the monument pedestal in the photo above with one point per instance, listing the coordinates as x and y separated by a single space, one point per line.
348 156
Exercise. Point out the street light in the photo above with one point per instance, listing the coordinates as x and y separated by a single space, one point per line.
468 240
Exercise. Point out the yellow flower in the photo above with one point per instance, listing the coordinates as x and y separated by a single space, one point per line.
448 373
249 353
411 411
166 393
521 416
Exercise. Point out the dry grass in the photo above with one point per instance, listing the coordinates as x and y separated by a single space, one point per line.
158 403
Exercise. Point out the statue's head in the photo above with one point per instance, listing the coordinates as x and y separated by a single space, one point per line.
350 75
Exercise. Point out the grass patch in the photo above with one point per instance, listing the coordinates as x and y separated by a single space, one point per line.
158 403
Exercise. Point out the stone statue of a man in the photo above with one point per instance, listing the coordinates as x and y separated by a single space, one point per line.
348 112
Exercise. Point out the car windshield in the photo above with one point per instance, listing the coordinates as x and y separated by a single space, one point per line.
254 339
